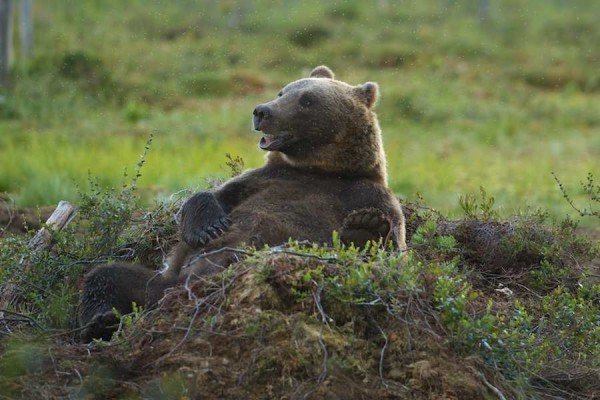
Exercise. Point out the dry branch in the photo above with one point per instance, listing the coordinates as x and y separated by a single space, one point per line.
58 220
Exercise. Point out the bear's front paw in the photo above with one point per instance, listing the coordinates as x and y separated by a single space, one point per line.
202 219
201 235
101 326
363 225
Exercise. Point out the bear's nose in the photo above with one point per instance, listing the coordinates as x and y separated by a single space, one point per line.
261 112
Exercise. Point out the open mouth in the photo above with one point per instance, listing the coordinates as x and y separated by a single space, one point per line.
272 142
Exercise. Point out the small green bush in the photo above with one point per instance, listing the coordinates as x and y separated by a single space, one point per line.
309 36
88 71
209 83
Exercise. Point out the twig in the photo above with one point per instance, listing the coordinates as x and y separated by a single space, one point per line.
27 318
590 190
382 355
191 296
80 381
199 303
317 298
219 251
274 250
493 388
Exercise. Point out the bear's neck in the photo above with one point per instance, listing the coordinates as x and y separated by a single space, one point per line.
358 155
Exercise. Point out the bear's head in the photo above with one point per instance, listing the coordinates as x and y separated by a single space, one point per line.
324 124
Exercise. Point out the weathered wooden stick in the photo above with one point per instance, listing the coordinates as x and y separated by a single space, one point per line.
56 222
42 240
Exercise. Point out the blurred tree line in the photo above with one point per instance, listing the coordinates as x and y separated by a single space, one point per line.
6 34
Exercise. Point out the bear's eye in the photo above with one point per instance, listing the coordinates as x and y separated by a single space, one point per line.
280 94
306 100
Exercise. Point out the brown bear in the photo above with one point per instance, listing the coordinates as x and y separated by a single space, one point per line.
325 171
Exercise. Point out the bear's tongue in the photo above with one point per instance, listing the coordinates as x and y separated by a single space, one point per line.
266 141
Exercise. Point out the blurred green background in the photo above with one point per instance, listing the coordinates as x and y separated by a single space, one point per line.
470 96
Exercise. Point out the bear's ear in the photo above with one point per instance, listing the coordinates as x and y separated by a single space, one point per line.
322 72
367 93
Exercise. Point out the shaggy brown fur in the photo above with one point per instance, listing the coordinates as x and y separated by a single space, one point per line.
325 171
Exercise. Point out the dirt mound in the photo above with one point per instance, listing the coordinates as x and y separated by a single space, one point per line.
476 309
245 335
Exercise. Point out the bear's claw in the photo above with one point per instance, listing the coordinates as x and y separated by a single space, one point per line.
205 235
202 219
363 225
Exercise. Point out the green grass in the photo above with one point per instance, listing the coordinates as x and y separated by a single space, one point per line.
464 104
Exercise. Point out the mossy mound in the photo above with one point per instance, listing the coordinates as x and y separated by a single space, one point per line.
477 308
253 332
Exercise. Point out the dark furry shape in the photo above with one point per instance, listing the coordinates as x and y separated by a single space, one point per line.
325 161
363 225
101 326
280 201
116 286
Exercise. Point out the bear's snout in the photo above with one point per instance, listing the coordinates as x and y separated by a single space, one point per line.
261 113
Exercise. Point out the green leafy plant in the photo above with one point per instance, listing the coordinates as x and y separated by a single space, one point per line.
482 207
48 286
590 189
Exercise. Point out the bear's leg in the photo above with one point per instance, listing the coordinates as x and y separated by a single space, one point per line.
203 266
363 225
116 286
